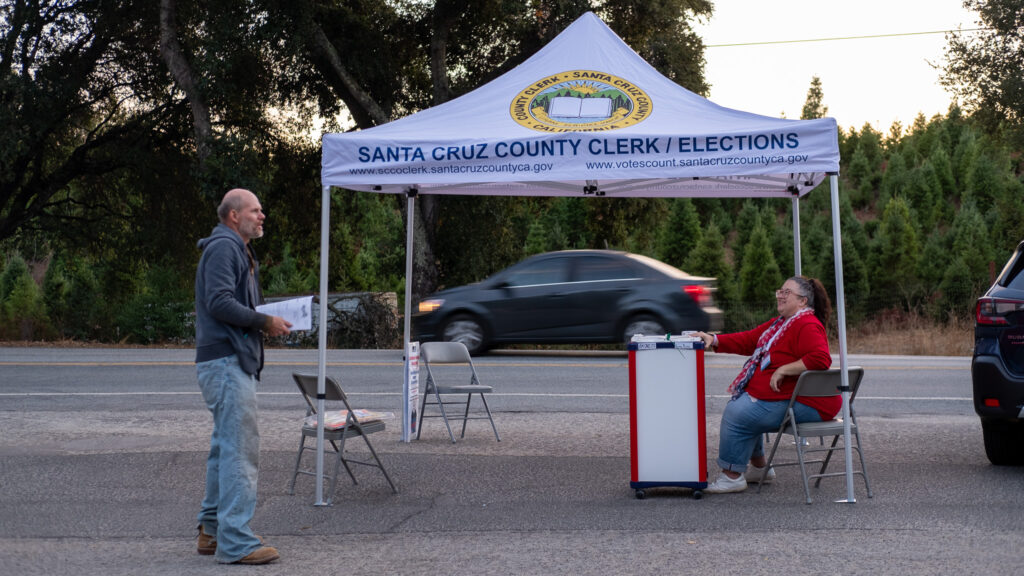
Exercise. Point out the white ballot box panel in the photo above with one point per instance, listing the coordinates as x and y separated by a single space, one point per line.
667 422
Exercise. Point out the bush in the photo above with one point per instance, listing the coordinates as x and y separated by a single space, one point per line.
160 312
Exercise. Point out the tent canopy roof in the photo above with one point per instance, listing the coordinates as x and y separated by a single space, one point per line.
585 115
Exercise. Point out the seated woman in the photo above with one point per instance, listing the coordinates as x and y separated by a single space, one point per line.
779 350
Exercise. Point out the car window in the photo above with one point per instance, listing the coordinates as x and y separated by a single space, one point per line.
546 271
596 268
1014 279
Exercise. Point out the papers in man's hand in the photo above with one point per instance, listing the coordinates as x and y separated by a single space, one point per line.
336 418
298 311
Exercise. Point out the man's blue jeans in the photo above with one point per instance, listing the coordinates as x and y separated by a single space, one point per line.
231 467
744 422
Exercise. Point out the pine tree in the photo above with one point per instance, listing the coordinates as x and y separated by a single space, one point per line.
748 218
895 179
971 242
1008 228
895 256
22 312
680 234
759 275
814 106
708 259
536 239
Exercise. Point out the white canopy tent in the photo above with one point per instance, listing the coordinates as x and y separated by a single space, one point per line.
585 115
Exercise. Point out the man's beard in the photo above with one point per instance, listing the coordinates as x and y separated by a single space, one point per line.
252 231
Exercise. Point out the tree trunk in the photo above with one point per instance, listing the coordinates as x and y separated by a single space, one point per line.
174 57
426 274
364 109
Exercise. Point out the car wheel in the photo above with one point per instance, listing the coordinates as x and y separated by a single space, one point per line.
1003 442
467 330
642 324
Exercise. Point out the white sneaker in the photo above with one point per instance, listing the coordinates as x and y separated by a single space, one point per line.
754 474
725 485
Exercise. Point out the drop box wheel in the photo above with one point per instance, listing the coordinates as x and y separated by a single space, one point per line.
640 495
698 495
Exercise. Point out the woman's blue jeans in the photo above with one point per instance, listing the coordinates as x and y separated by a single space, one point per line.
744 422
231 467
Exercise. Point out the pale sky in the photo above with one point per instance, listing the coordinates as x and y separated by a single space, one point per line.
873 80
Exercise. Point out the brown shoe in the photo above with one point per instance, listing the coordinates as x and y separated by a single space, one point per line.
262 555
206 544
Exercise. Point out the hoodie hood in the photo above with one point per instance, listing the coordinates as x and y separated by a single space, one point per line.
220 231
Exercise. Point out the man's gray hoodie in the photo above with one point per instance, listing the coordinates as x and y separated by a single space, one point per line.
227 292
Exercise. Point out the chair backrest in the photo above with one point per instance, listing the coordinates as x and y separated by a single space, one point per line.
307 384
828 382
445 353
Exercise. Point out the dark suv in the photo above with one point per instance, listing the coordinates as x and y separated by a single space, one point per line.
997 369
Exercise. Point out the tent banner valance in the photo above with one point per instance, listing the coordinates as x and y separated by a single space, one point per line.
584 114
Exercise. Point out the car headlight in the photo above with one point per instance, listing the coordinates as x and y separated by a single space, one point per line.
428 306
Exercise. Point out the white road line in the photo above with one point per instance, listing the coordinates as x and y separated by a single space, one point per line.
493 394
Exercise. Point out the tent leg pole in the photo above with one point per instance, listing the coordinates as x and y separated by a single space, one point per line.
325 226
837 246
796 236
410 209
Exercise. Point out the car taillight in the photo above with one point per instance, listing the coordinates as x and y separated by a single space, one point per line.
700 294
993 311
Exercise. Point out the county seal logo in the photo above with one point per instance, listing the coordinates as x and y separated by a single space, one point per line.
580 101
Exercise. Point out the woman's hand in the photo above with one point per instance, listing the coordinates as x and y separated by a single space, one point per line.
708 339
792 369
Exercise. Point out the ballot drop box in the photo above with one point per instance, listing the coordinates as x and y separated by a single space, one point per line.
668 444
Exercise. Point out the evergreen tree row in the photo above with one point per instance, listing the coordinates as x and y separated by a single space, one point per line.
928 216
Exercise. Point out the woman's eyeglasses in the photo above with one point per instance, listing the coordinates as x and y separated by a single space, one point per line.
785 292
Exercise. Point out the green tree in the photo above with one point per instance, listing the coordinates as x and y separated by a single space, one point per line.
895 255
14 268
1009 224
814 105
982 68
985 181
22 312
759 275
708 259
680 234
895 179
536 239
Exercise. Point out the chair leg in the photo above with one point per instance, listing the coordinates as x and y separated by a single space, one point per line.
344 462
489 417
863 468
828 458
465 415
380 464
803 465
423 406
444 415
298 460
768 462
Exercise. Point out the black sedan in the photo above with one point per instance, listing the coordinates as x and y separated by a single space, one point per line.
997 369
573 296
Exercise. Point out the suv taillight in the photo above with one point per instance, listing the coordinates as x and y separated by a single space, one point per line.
993 311
700 294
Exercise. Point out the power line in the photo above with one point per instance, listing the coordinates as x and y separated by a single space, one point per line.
845 38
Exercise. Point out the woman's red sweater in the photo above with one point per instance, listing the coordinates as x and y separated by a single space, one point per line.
804 339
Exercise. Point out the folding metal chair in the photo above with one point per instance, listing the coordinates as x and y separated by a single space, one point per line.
433 354
819 383
307 384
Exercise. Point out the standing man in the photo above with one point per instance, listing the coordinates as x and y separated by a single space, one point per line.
229 357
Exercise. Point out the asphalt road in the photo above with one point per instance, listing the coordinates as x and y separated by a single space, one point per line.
102 456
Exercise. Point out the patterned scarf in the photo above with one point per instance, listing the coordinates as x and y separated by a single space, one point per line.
761 355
